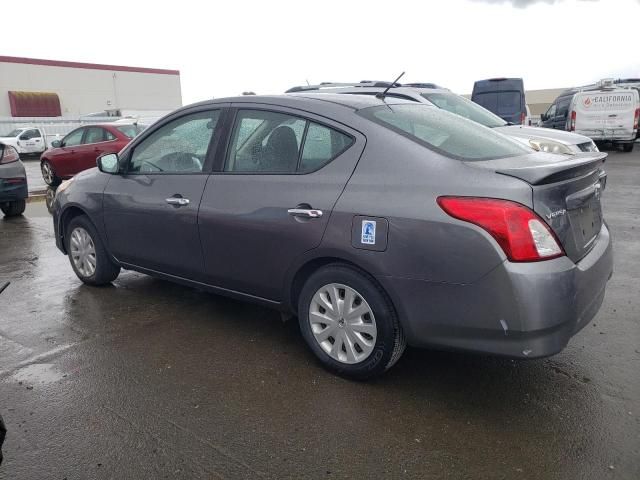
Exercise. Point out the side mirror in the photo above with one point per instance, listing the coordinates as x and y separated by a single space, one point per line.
108 163
543 117
56 144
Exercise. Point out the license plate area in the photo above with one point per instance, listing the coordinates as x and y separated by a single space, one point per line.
586 222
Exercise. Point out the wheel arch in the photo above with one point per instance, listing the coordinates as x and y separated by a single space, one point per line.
308 268
68 214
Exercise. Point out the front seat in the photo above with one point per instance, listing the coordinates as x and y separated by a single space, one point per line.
281 151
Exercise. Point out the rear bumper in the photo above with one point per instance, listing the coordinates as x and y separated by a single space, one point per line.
11 193
520 310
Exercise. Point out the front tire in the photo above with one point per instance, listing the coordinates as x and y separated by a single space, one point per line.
87 255
349 323
13 209
49 174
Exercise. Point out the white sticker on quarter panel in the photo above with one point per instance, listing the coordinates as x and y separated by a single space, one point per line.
368 236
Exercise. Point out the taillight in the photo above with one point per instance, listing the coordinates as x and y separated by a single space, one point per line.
636 117
9 155
521 233
522 118
572 123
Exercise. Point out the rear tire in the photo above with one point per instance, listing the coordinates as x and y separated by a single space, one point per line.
13 209
628 147
87 255
358 334
48 174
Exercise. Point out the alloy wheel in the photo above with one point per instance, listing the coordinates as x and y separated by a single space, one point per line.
47 173
342 322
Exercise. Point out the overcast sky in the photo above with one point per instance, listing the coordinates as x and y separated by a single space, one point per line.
223 48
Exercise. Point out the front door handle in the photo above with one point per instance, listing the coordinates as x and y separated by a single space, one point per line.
305 212
178 201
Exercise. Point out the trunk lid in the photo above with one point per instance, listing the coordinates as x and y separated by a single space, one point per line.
566 193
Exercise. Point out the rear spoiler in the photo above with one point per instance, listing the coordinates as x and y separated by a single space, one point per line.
540 173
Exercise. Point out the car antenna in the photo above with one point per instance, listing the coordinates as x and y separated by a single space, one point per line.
382 95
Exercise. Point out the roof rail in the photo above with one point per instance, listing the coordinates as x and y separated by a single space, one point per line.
364 83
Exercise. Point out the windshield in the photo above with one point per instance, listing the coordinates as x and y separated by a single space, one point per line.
130 130
446 133
501 103
465 108
15 133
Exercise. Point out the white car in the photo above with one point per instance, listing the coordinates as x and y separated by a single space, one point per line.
541 139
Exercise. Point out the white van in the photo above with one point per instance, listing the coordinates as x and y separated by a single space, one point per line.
605 114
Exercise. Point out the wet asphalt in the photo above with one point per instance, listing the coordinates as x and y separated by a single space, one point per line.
146 379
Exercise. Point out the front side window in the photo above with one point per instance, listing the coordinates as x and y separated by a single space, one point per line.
552 111
74 138
179 146
270 142
29 134
465 108
444 132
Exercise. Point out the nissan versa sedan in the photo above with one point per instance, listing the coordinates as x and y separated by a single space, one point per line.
379 222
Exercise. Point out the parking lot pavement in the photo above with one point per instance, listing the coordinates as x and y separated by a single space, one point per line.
146 379
35 181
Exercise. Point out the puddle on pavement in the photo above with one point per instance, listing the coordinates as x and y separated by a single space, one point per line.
38 374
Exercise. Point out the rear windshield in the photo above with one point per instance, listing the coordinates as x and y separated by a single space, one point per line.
465 108
130 130
446 133
500 103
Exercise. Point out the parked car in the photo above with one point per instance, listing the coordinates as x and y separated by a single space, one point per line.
378 221
502 96
78 150
604 113
27 140
542 139
13 182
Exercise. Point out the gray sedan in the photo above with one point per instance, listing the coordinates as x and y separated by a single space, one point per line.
379 222
13 182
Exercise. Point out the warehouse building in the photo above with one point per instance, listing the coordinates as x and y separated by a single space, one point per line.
32 87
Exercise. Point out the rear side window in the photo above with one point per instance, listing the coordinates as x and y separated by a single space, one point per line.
95 135
271 142
444 132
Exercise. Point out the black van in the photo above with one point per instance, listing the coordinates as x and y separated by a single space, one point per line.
557 114
502 96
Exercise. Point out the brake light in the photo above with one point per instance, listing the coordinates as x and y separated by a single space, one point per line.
636 117
520 232
572 123
9 155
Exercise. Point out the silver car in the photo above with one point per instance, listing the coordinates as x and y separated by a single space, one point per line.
379 222
540 139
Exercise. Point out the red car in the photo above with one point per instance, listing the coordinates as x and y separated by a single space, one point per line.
79 149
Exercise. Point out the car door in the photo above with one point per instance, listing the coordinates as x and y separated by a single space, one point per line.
562 112
271 200
65 158
151 210
93 145
32 141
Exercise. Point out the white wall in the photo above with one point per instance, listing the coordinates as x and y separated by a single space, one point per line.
83 90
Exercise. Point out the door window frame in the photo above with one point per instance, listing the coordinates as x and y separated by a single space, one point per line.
224 149
212 149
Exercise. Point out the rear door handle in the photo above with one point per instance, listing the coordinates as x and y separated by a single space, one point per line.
178 201
305 212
